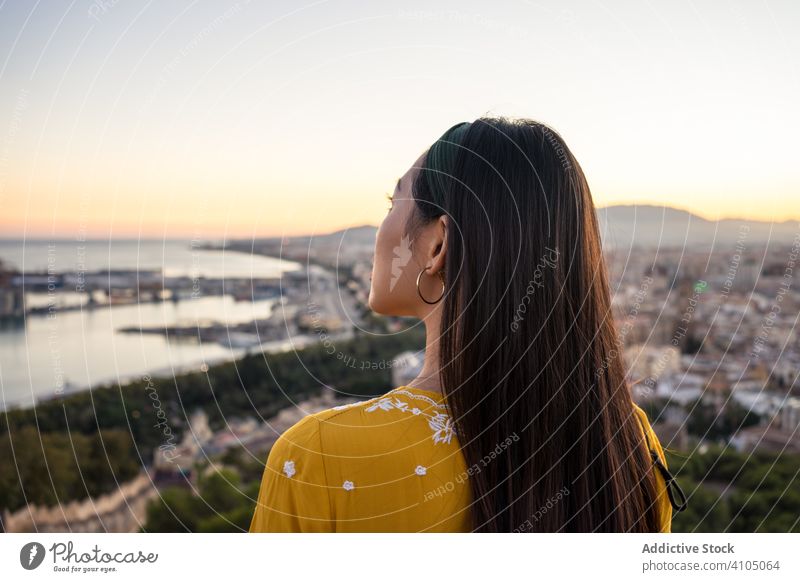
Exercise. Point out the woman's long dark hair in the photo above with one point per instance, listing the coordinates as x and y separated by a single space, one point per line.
529 352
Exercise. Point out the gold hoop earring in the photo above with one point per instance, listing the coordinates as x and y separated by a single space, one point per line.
419 292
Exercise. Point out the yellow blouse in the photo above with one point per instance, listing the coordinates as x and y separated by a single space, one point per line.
388 464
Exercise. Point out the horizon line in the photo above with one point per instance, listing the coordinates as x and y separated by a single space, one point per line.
224 237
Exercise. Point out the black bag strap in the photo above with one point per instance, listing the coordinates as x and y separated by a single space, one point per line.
674 490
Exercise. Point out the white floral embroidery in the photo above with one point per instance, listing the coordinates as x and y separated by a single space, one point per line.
440 423
383 404
419 397
352 404
442 428
348 485
420 470
288 468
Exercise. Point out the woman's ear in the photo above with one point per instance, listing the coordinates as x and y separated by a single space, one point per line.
438 246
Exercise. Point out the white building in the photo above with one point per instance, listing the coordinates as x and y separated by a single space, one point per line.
790 415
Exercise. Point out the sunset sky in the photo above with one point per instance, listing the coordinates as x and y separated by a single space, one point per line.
242 119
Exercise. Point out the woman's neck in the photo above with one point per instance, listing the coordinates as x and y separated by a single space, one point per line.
428 378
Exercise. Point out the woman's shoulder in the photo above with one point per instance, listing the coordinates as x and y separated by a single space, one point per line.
652 440
403 399
663 501
398 402
356 428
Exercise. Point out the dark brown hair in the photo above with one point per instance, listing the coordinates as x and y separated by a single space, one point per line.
528 343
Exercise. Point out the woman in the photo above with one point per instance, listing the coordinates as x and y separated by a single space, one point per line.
521 419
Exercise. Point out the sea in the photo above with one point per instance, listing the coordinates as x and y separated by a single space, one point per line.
43 356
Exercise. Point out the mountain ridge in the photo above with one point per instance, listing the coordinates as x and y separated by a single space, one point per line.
642 225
